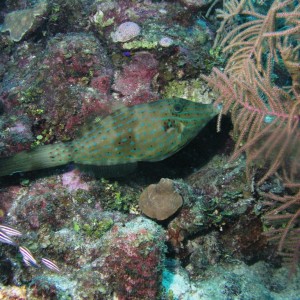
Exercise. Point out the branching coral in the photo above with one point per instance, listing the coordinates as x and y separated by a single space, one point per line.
260 88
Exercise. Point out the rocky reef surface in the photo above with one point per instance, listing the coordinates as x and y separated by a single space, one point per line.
188 227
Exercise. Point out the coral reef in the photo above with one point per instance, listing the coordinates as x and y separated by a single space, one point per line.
135 267
73 62
61 74
230 281
126 251
86 244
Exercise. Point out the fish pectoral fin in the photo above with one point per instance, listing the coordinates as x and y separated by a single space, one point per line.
112 171
181 127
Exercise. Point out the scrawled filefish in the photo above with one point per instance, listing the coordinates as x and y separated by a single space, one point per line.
145 132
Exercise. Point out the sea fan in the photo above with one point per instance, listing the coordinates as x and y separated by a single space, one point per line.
260 88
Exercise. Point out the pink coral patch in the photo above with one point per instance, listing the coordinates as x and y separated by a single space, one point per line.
73 181
101 83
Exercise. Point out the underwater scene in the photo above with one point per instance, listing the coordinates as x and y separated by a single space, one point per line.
150 149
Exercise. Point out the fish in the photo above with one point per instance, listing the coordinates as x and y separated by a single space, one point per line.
4 238
145 132
50 265
10 231
28 258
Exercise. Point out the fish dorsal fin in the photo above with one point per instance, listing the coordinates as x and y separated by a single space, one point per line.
96 120
87 126
90 123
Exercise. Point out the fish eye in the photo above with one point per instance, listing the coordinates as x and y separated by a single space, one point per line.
177 108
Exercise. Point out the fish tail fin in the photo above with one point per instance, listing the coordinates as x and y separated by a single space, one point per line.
39 158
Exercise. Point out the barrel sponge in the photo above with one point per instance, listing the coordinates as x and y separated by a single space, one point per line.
20 22
160 201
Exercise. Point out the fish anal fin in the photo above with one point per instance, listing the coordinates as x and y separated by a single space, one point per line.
112 171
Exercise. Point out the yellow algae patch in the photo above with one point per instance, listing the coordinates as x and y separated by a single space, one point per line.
194 90
13 293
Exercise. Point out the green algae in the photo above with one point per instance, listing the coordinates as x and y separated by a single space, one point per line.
215 59
55 12
100 21
30 95
97 228
116 198
94 228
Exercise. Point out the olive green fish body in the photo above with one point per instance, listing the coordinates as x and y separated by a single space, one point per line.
145 132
